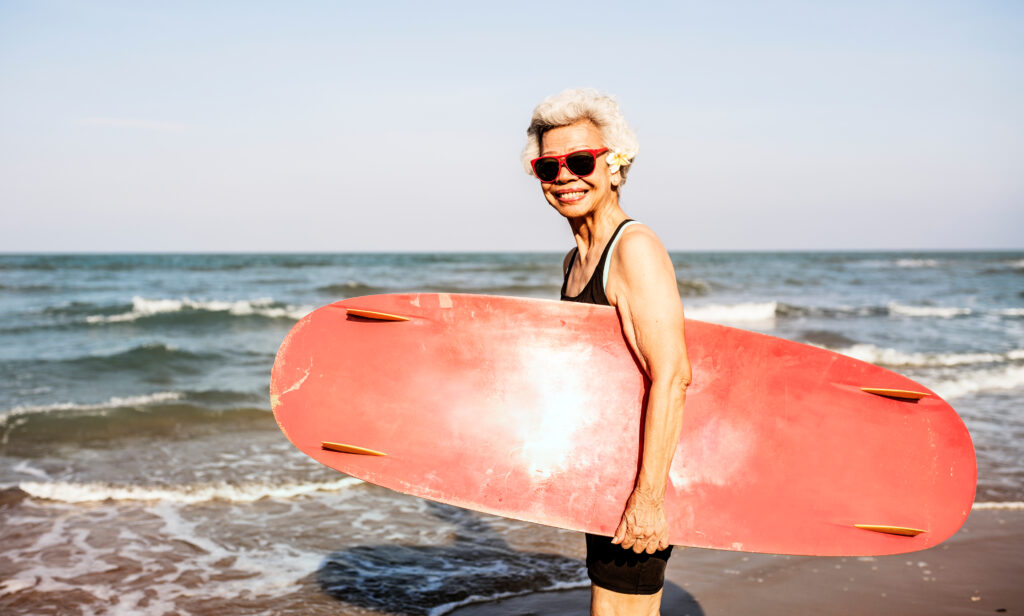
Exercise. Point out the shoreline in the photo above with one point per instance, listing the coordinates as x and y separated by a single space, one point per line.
977 571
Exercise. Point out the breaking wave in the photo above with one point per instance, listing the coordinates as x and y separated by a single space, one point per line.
734 313
892 357
981 381
941 312
166 414
70 492
143 308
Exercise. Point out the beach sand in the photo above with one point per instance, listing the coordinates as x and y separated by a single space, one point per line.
980 570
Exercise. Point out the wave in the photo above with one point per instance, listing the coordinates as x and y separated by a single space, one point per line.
749 312
894 358
941 312
1008 505
144 308
893 309
897 262
79 308
27 288
692 287
34 429
353 289
142 356
70 492
795 310
350 289
915 263
112 403
825 338
19 416
548 291
766 312
769 311
982 381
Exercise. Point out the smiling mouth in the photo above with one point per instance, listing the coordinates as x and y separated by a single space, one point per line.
570 195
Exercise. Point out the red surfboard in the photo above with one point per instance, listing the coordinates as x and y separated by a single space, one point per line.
531 409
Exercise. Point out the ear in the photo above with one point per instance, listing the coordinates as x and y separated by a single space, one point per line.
616 179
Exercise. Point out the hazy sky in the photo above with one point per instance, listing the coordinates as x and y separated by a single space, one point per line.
378 126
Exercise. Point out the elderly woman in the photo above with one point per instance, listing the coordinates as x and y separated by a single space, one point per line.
580 148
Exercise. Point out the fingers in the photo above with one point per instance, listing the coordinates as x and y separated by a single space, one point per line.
640 539
649 543
620 532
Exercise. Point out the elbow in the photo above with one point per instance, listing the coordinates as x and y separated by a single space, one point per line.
676 378
683 381
683 377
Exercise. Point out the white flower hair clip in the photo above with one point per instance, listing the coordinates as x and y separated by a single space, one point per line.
619 159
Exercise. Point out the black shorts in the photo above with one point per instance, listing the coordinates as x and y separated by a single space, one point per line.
624 571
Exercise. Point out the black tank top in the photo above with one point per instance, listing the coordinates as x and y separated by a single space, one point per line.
593 292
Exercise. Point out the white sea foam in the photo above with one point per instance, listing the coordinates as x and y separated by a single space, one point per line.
980 381
916 263
70 492
263 569
143 307
25 468
941 312
1012 312
115 402
891 357
749 312
1010 505
12 417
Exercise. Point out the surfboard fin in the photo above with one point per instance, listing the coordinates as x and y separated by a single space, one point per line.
373 314
891 530
901 394
343 448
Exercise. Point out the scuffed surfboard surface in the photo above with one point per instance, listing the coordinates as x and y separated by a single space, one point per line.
532 409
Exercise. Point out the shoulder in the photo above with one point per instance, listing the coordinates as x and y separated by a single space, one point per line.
640 270
639 248
644 290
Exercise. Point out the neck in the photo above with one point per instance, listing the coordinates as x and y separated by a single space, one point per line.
593 230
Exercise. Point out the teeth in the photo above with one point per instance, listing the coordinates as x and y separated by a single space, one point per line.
571 195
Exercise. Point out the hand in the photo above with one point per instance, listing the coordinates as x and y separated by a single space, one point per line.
644 527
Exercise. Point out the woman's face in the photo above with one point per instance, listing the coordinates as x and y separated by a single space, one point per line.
575 197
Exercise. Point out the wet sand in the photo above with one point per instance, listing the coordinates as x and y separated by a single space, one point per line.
980 570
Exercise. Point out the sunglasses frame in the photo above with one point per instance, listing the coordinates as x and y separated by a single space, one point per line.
562 163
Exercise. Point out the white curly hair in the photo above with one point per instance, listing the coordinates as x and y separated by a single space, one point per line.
573 105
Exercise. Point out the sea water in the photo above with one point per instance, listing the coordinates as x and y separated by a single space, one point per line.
141 471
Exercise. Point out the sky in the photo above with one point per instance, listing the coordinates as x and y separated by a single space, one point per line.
397 126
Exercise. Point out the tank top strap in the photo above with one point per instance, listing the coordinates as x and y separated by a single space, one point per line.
594 291
611 248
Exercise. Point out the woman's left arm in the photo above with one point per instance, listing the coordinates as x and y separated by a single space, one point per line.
642 287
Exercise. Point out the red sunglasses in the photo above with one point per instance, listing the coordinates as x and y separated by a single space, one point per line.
580 163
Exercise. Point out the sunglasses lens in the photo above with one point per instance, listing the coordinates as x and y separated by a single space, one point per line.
546 169
580 163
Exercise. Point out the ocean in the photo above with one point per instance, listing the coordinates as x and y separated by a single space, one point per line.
141 471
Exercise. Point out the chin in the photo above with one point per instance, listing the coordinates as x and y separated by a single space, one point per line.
573 210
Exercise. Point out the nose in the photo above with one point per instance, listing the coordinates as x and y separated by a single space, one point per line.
564 175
